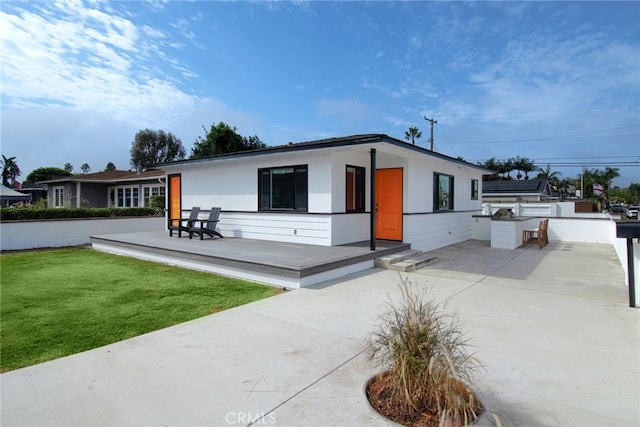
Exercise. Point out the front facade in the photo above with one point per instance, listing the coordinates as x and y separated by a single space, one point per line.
118 189
333 192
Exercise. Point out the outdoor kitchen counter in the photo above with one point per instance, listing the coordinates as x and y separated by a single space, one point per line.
506 233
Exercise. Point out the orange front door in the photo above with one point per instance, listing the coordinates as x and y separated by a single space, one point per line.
175 201
389 204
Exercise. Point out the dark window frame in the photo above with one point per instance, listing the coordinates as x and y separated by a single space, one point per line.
475 188
292 193
438 204
359 189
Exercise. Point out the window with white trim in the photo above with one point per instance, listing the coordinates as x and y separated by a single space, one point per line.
151 190
127 197
58 197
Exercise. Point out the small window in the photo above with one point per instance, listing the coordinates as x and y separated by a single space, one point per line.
474 189
355 189
283 188
58 197
442 192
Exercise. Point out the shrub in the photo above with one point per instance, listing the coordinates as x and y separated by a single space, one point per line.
156 202
16 214
424 352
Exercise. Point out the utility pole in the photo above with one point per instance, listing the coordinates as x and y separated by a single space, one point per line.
432 121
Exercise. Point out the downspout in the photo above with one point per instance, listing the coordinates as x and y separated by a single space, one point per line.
372 216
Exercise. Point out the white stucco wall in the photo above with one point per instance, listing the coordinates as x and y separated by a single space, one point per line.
581 230
20 235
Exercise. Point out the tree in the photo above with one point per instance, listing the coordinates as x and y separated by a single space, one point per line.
517 165
546 173
567 185
85 168
10 171
635 191
505 167
46 173
527 166
222 139
412 134
68 167
151 146
110 167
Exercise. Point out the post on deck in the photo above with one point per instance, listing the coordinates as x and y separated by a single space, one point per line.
372 197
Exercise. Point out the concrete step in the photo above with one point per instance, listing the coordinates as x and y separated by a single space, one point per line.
409 260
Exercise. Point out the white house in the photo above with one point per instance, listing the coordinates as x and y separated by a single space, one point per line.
333 191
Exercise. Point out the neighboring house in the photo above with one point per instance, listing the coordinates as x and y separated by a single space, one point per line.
36 192
321 192
115 188
507 190
9 196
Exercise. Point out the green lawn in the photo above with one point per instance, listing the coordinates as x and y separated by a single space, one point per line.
54 303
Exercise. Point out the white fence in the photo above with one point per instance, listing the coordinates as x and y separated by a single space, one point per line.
18 235
542 209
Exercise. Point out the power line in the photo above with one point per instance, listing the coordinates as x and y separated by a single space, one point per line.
549 137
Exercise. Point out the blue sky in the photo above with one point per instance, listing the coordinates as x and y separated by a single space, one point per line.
558 82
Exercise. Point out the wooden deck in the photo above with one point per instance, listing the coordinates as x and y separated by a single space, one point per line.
284 264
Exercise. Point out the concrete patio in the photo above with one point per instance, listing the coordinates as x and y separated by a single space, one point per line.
552 328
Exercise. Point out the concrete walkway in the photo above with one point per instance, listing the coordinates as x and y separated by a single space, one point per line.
559 344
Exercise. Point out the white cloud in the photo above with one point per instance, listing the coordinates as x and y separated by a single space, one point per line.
348 111
84 58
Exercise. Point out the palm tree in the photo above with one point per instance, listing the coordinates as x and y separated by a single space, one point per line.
608 175
10 171
552 177
527 166
517 165
412 134
490 164
493 165
505 168
547 174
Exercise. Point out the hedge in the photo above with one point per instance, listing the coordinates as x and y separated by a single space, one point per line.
16 214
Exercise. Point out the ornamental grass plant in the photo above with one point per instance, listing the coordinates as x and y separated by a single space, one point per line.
427 368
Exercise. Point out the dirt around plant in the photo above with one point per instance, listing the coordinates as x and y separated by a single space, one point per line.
380 398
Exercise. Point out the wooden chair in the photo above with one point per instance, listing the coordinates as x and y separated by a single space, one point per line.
207 226
183 224
538 234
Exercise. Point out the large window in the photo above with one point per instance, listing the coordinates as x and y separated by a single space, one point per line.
283 188
127 197
442 192
474 189
58 197
151 190
355 189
